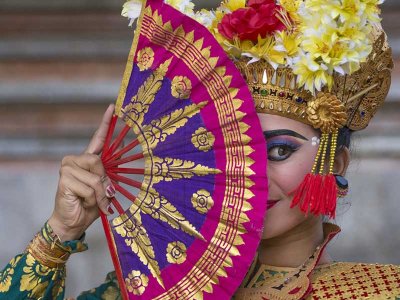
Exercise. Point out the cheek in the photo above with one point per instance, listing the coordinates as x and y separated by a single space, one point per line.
288 175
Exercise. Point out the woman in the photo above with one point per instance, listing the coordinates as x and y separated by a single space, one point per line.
305 131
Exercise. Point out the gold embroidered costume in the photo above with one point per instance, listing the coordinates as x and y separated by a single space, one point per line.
310 281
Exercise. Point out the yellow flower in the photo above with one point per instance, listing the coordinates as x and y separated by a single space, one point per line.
145 58
181 87
372 10
233 5
348 11
31 281
265 49
7 274
136 282
203 139
176 252
202 201
287 43
311 74
292 7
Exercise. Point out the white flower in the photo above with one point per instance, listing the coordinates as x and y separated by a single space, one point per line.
131 10
205 17
184 6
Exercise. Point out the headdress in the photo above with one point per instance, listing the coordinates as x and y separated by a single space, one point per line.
324 63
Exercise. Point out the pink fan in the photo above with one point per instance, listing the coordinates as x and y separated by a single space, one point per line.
196 205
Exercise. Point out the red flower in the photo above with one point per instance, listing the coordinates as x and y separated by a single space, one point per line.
259 18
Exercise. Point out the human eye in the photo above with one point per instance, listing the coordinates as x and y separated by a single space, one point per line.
280 150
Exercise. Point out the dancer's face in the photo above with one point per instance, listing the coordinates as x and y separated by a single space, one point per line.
292 147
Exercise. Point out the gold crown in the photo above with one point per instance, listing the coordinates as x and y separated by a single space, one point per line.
352 101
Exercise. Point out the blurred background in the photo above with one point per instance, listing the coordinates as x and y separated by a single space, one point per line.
61 63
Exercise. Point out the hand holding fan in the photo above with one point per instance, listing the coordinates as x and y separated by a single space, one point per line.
195 216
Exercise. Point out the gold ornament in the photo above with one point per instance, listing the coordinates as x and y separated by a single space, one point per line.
202 201
176 252
203 139
145 58
136 282
181 87
326 112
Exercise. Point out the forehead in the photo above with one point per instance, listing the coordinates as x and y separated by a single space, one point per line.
273 122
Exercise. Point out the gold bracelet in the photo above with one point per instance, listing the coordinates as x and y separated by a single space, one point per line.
47 249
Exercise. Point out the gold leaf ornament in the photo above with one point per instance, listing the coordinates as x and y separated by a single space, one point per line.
202 201
176 252
181 87
203 139
326 112
145 58
136 282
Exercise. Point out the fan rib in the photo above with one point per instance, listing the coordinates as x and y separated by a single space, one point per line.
125 192
125 180
118 140
126 171
117 206
123 161
110 132
122 151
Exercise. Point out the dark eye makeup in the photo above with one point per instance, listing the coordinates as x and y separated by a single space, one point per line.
281 145
281 149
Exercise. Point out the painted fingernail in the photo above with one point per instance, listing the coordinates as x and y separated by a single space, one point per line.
110 210
110 191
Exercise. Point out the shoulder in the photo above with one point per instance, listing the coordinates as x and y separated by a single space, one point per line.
356 281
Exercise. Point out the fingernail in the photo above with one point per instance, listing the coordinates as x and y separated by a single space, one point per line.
110 210
110 191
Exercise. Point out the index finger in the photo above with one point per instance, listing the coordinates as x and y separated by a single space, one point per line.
97 142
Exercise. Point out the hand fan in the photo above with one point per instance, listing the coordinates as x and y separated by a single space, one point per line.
195 216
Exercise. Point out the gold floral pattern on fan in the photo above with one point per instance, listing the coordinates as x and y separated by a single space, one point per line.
136 282
181 87
202 201
145 58
158 130
176 252
203 139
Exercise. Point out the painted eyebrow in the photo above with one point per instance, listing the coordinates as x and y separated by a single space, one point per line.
272 133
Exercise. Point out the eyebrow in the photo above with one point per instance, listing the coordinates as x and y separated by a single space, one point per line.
272 133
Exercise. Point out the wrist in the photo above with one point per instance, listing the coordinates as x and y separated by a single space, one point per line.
62 232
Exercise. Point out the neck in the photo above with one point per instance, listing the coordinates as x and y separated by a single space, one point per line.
292 248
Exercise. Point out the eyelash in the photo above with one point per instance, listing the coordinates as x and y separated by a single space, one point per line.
291 147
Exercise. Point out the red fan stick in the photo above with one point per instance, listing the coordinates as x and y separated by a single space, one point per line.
114 256
125 192
118 140
123 161
122 151
117 206
126 171
109 134
126 180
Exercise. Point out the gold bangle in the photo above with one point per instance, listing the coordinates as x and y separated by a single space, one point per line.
47 249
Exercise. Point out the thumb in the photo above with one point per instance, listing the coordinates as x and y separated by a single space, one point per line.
97 142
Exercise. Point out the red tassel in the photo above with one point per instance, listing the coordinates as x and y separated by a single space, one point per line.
317 195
